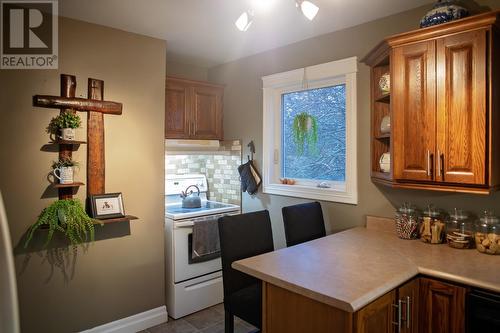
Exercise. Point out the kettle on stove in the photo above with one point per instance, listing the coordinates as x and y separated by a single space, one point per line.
189 199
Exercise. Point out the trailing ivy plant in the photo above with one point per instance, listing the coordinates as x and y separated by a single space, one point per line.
305 129
67 217
64 120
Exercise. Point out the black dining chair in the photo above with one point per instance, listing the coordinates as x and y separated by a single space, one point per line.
243 236
303 223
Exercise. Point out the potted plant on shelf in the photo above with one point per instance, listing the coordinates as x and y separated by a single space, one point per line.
67 217
305 129
63 126
64 171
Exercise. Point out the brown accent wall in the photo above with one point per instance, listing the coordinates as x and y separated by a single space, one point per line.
243 119
122 273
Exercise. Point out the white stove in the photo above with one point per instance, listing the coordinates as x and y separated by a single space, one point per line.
175 211
191 286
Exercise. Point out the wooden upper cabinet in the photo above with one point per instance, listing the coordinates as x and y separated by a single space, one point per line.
207 112
177 115
193 110
462 108
413 98
442 307
444 106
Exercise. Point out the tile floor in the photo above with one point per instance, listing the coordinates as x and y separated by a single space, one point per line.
210 320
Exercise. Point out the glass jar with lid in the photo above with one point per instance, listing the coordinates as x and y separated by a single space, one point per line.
460 230
406 220
432 226
487 234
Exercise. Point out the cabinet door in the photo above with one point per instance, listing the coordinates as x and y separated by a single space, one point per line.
461 108
414 110
207 112
177 110
408 294
442 307
377 317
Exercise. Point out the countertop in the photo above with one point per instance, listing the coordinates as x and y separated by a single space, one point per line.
350 269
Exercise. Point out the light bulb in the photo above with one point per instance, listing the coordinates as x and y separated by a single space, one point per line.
243 22
309 9
262 5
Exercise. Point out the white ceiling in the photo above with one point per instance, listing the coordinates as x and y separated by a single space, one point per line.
202 32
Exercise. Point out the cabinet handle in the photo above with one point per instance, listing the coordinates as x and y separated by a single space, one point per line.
400 314
441 165
428 162
408 312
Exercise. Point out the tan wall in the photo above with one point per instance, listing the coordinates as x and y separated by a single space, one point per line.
243 119
122 274
185 71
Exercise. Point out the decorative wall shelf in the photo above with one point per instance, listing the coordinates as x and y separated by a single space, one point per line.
96 107
76 184
118 219
68 142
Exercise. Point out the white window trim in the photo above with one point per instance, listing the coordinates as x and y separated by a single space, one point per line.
328 74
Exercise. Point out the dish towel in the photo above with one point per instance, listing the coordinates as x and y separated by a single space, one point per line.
250 178
205 238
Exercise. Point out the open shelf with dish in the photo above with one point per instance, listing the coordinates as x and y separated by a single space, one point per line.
381 136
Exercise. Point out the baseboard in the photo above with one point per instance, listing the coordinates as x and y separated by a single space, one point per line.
135 323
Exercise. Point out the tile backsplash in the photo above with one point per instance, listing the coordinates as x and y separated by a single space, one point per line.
219 166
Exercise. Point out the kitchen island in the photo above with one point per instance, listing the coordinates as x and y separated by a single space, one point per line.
345 281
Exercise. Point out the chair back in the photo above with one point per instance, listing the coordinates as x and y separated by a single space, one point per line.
303 223
242 236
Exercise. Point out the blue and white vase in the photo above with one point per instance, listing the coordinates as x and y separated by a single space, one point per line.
442 12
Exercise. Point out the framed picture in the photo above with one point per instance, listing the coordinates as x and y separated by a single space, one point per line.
106 206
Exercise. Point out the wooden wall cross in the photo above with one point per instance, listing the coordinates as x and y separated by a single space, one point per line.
96 108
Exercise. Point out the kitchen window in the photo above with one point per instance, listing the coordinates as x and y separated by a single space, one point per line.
310 132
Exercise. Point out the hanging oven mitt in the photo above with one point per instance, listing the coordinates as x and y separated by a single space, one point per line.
250 179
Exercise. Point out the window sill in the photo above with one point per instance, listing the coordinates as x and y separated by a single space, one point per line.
309 192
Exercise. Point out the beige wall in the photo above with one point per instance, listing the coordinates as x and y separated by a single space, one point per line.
185 71
123 274
243 119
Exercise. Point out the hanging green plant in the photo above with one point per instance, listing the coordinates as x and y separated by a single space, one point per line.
305 129
66 216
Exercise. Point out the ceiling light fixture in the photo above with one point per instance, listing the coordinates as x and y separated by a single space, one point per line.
308 8
244 21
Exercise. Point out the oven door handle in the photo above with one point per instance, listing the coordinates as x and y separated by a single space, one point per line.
190 223
179 225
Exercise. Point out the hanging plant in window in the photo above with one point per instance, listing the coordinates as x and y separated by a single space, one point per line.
305 130
305 125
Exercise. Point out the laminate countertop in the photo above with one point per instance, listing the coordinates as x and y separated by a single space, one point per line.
350 269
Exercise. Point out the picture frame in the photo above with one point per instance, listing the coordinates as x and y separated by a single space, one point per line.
107 206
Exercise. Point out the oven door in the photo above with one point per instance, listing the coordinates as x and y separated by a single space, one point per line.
184 267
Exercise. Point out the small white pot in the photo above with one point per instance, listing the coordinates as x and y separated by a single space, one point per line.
64 174
67 134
